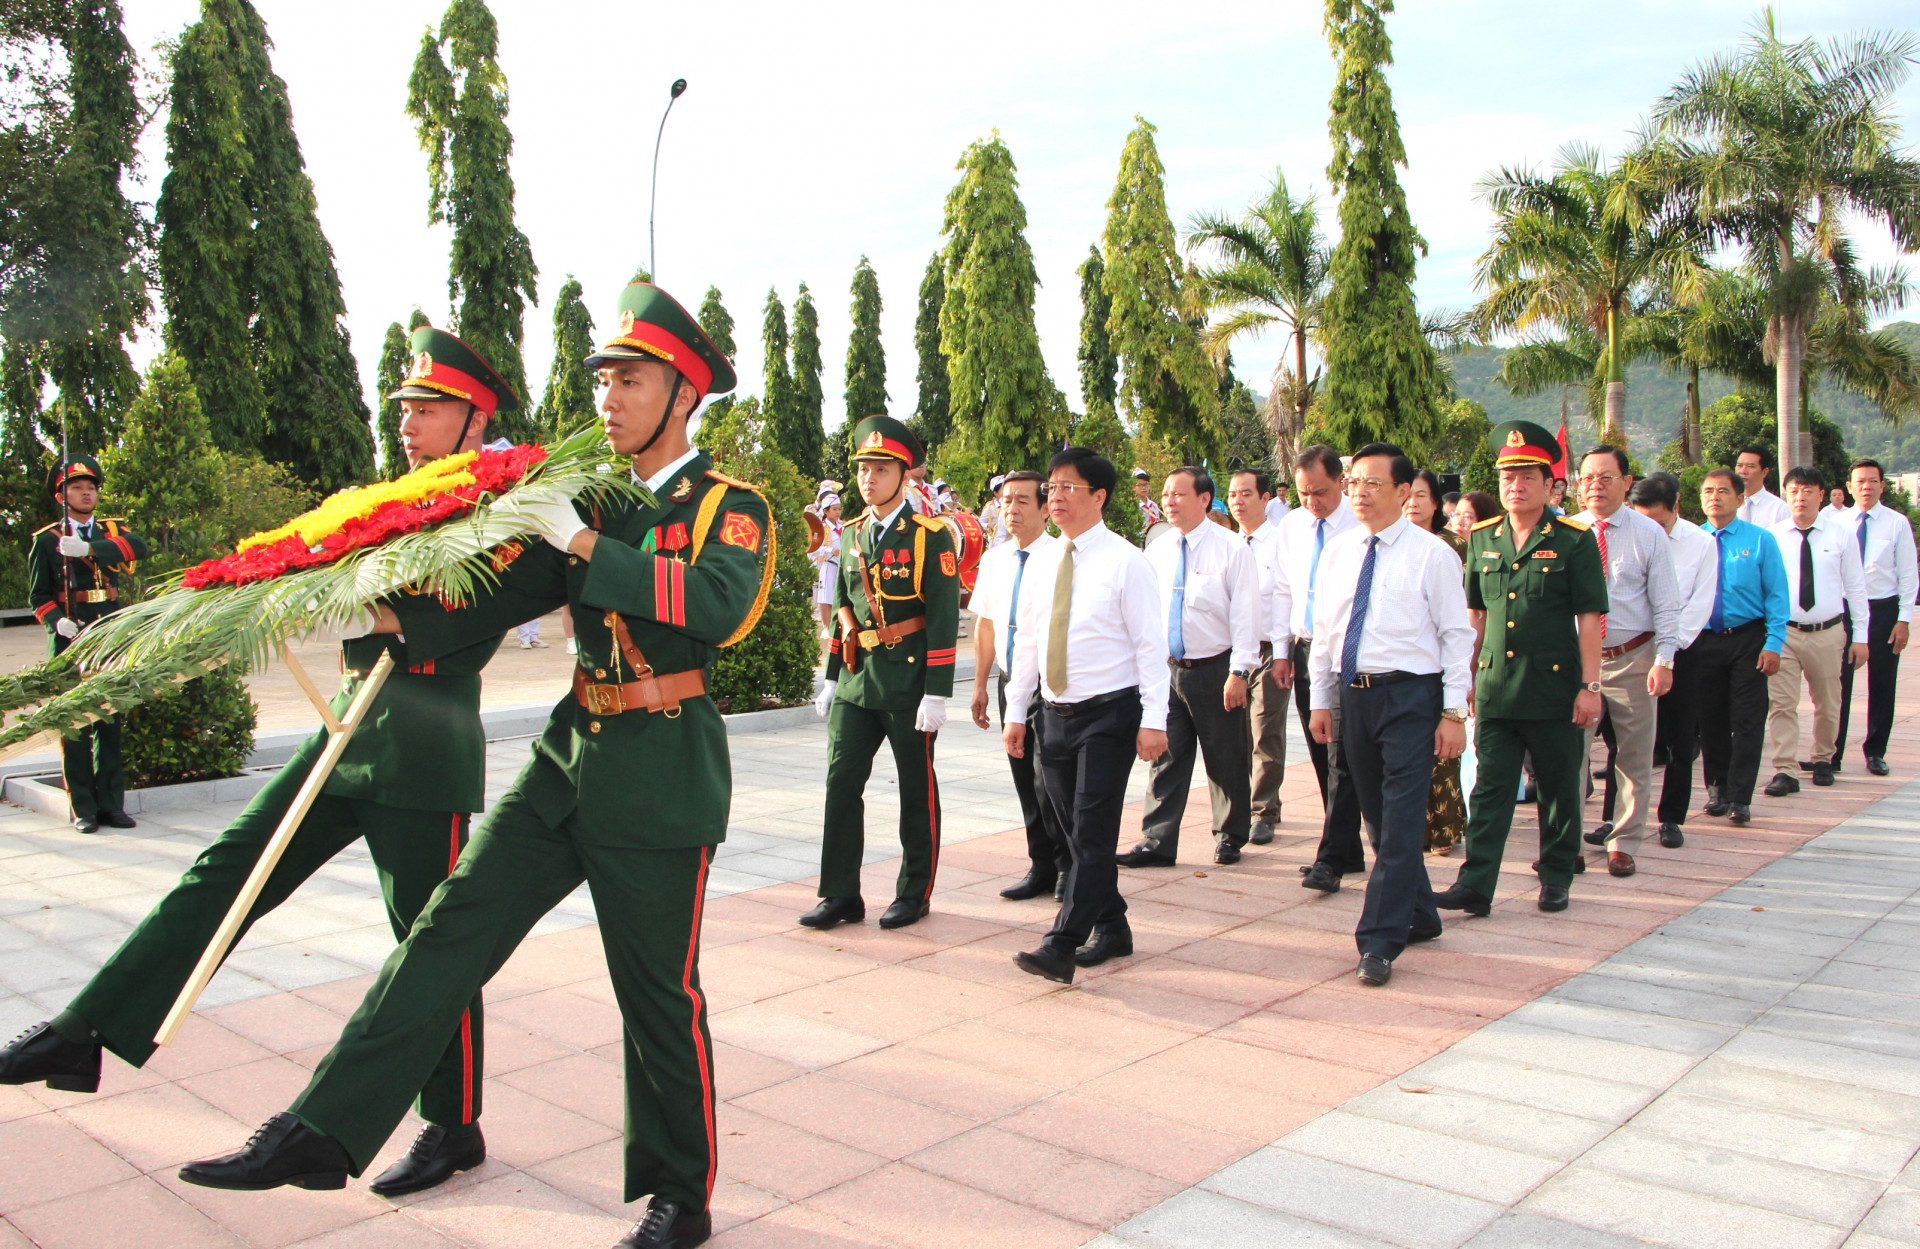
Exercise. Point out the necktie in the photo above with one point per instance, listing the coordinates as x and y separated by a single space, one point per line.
1606 570
1013 607
1806 570
1717 621
1057 626
1176 631
1313 571
1362 595
1862 531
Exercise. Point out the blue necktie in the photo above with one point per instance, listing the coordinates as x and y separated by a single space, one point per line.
1176 632
1717 620
1862 531
1362 595
1013 608
1313 572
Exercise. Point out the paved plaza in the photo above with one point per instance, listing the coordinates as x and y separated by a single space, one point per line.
1718 1051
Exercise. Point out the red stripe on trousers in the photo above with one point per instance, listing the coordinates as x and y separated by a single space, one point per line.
466 1016
699 1006
933 818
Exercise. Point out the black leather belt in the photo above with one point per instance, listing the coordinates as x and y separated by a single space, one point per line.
1373 680
1208 662
1090 704
1739 628
1815 628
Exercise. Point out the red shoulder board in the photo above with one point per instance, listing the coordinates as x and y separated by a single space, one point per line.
741 530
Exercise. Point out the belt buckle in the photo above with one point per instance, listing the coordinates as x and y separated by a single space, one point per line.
604 700
869 639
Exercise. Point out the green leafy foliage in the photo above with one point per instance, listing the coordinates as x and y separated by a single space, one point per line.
718 323
1102 431
1247 443
776 371
1099 367
866 361
201 731
391 372
165 473
933 413
568 400
1744 419
802 431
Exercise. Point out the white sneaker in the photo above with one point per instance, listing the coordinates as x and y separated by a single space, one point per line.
526 646
573 646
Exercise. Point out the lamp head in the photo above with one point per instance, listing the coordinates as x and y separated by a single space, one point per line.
679 85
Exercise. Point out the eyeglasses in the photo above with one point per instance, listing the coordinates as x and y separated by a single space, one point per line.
1600 479
1067 488
1367 485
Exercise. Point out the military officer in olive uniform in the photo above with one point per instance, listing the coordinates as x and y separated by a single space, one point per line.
409 781
889 675
627 790
1537 594
73 579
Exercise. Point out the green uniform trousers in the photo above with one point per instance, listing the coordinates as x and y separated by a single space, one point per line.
516 870
1559 760
854 734
413 851
90 766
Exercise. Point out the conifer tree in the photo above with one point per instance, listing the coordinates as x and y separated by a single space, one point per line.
866 361
933 414
1099 367
776 398
568 399
459 105
1381 376
1167 381
387 379
806 415
1002 397
165 472
718 323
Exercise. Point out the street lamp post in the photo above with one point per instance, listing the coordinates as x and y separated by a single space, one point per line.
653 194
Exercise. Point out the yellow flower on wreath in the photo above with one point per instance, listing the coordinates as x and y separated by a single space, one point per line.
429 481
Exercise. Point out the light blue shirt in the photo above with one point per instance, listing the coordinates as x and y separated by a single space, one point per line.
1753 581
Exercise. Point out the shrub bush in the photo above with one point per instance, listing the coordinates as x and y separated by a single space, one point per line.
203 731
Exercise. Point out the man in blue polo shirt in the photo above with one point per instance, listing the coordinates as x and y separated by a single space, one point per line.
1739 648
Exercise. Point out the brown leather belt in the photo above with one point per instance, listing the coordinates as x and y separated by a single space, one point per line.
1632 643
662 692
889 634
107 595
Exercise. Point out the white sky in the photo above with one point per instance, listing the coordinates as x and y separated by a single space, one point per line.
812 134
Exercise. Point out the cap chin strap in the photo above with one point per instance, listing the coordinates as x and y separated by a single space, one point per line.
465 425
673 397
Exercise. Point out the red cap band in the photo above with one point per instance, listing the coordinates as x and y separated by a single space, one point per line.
657 342
434 375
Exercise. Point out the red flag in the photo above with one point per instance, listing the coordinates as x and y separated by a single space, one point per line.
1560 465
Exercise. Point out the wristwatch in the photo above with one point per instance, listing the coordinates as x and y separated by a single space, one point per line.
1592 687
1245 674
1663 663
1456 714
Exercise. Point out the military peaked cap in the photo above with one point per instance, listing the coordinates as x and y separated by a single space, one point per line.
651 325
445 368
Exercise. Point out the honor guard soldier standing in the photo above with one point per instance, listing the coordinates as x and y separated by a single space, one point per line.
889 675
408 783
627 790
1537 595
73 580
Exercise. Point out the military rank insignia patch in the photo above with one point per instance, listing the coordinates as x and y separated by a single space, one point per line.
741 530
683 491
947 565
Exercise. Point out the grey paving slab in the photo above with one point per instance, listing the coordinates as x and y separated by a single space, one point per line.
1667 1216
1720 1170
1333 1194
1485 1172
1516 1230
1199 1219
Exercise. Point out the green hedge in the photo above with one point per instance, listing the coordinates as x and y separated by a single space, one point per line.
202 732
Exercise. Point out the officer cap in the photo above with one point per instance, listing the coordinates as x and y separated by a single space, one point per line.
1523 442
445 368
651 325
883 438
73 468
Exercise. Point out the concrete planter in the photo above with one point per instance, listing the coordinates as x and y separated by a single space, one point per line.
47 794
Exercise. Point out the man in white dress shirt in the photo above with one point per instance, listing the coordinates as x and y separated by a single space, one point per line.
1323 514
1249 492
1758 505
1215 618
1392 645
1885 542
1696 572
1826 629
1092 645
995 605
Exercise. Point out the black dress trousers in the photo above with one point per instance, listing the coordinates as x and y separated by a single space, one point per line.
1733 708
1386 741
1087 757
1678 733
1046 842
1340 847
1883 671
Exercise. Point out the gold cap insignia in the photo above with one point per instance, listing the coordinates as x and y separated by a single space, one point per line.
422 365
1515 438
875 439
626 323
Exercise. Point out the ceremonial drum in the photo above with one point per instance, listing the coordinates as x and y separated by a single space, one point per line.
816 532
1155 530
970 540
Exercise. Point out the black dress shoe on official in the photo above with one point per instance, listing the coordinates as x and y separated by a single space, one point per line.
1226 854
83 826
1105 945
1047 963
1823 774
117 819
1321 877
668 1225
1553 897
831 911
1461 898
1781 785
1877 765
1806 765
283 1151
437 1155
1146 854
1262 833
1671 837
1417 935
1598 837
1739 813
904 911
1033 885
1717 803
40 1053
1060 889
1374 970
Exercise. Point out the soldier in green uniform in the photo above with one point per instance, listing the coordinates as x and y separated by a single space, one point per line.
889 675
1537 595
409 781
627 790
73 580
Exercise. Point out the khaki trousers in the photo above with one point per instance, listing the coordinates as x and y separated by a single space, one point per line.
1267 718
1633 714
1818 658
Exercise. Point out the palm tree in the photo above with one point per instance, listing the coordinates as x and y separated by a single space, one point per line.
1712 323
1576 252
1272 272
1781 142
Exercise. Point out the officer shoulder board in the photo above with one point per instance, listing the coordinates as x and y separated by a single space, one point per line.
1571 523
702 526
48 528
1491 520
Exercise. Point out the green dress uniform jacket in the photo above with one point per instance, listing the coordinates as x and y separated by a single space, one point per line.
629 802
1526 678
89 760
914 572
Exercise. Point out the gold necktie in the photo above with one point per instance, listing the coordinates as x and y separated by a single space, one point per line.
1057 628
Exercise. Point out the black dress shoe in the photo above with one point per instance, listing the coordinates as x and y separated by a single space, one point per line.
1374 970
117 819
1461 898
40 1053
1047 963
1739 813
1717 803
1262 833
1417 935
283 1151
1060 890
1226 854
84 826
1146 854
668 1225
1877 765
1823 774
1033 885
1321 877
1671 837
1806 765
831 911
1105 945
1553 897
904 911
1836 763
438 1154
1781 785
1598 837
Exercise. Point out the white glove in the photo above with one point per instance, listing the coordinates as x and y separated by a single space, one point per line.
556 522
75 548
822 699
932 714
66 627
